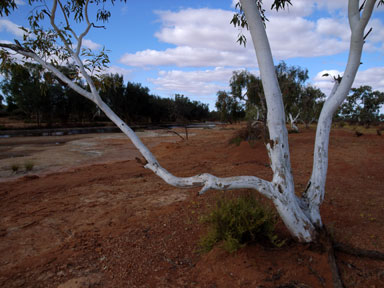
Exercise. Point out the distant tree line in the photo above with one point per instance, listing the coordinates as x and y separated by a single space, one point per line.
37 96
303 102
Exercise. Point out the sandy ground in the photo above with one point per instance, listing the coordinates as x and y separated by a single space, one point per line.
58 153
89 215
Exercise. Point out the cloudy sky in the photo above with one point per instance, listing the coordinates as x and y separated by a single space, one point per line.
189 47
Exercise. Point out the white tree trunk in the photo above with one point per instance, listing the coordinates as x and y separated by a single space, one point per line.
293 121
314 195
300 215
287 204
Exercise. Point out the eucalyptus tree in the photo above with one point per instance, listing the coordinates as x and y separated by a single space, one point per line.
362 106
300 215
229 108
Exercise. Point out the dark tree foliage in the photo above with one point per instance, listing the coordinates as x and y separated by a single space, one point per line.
185 110
362 106
247 93
247 87
229 108
134 103
39 96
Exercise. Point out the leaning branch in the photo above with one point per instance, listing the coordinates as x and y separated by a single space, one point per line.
208 181
30 54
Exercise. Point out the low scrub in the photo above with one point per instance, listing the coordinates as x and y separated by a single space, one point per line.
29 166
15 168
236 222
251 133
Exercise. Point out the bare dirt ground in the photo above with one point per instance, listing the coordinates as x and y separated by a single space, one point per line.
89 215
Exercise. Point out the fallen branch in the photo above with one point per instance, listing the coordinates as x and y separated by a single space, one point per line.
174 132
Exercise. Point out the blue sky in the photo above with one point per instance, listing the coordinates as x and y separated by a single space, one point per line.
189 47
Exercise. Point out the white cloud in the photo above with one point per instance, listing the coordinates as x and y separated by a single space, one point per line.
6 42
91 45
203 37
334 27
377 34
185 56
11 27
373 77
300 8
205 28
297 37
118 70
206 82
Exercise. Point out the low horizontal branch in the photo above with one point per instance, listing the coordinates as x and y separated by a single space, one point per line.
208 181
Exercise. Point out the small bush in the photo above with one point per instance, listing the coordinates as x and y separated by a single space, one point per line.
29 165
251 133
236 222
236 140
292 131
15 167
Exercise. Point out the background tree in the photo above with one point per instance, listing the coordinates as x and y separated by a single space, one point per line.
362 106
24 91
309 104
248 88
229 108
300 100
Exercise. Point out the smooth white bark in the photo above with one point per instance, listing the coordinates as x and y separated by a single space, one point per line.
293 121
314 195
301 216
278 149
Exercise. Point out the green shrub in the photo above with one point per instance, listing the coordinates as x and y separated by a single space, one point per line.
236 222
236 140
15 167
250 133
29 165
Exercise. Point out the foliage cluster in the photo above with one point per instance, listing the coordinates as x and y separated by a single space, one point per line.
28 166
362 107
247 98
252 132
237 222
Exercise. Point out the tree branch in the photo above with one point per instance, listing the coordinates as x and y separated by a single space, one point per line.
278 147
30 54
208 181
353 13
66 20
315 194
58 31
82 35
367 13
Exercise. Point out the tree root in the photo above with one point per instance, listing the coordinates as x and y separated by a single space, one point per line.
337 281
326 242
372 254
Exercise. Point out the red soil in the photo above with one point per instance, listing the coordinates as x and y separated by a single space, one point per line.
119 225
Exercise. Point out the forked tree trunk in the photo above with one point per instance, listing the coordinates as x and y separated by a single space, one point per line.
306 210
287 204
300 215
